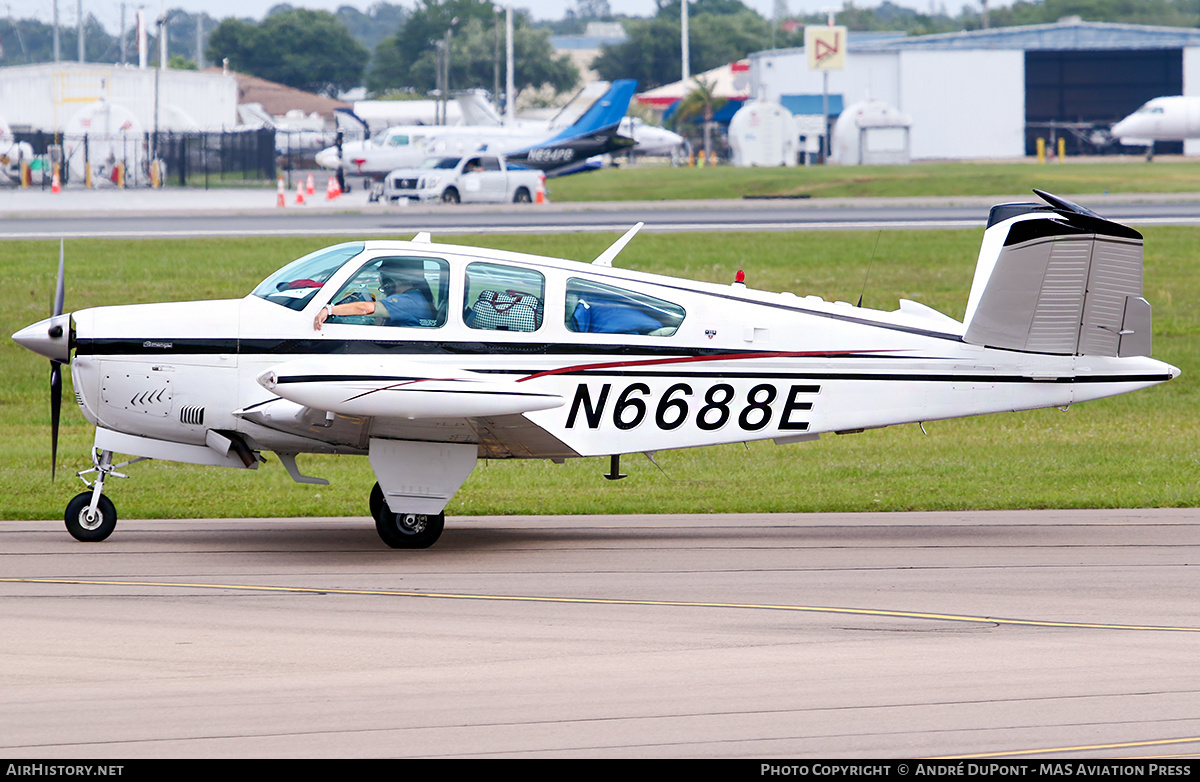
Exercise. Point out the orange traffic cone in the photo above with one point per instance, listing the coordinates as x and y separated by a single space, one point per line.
332 190
541 190
55 182
300 194
280 198
309 187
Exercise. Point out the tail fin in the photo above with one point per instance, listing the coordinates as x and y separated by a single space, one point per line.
594 133
606 111
1058 279
476 110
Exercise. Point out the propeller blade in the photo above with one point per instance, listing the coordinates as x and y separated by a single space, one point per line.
56 367
60 285
55 410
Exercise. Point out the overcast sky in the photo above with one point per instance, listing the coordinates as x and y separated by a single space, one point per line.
109 11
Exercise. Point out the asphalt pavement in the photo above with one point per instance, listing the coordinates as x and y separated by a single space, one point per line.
1035 634
74 200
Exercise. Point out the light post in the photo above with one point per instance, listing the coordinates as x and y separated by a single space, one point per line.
684 47
161 23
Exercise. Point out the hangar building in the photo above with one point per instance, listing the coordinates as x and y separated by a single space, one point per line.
991 93
46 96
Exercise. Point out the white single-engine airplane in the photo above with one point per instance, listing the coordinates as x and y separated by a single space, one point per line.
426 357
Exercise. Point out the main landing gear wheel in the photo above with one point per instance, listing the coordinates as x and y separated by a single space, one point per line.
404 530
96 528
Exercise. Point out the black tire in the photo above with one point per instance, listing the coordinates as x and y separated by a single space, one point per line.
405 530
522 196
98 528
450 196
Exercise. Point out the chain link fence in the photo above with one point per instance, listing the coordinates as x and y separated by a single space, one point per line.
199 159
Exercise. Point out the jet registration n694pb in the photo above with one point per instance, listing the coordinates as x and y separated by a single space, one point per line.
427 357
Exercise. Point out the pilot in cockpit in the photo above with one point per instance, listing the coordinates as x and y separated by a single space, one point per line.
406 298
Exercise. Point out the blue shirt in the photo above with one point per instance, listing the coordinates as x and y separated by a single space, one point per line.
408 308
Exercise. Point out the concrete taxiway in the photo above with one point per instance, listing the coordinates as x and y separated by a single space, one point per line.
1043 634
182 213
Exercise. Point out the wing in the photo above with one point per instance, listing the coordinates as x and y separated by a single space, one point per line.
385 388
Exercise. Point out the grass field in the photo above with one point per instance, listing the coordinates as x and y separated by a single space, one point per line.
1138 450
1075 176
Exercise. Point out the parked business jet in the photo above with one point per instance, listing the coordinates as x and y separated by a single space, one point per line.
648 139
554 151
1170 118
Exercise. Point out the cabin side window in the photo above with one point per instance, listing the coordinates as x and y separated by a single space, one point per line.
503 298
407 291
596 308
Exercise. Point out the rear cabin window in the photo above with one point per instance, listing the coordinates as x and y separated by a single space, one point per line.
407 291
503 298
596 308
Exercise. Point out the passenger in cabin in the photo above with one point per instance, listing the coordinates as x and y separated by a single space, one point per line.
407 300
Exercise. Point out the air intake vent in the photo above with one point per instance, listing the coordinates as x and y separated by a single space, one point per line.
192 414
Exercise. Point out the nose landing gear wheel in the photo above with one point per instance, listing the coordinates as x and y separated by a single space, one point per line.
404 530
96 528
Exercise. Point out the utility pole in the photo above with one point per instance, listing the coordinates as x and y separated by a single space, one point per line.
781 14
79 27
57 44
162 40
510 93
496 57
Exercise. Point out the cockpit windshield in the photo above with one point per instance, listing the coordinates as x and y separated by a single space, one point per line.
440 162
294 285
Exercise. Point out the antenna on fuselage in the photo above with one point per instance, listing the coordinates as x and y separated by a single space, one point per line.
606 258
868 274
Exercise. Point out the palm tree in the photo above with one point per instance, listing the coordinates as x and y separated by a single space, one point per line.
701 100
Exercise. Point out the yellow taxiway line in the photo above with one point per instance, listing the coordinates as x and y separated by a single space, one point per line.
872 612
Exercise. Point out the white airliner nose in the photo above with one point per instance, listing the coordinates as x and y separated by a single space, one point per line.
50 337
1123 128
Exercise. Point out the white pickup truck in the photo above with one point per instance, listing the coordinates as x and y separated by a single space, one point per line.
477 178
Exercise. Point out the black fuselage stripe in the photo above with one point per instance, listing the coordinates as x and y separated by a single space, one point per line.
124 347
821 376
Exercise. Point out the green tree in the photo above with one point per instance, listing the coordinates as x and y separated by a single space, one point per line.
701 101
309 50
408 59
719 32
1153 12
379 21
